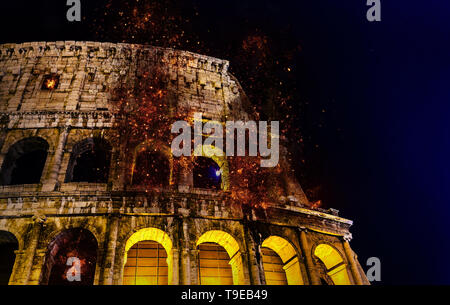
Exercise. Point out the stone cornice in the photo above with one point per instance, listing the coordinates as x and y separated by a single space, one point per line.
110 50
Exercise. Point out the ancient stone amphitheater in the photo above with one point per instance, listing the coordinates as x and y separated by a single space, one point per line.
66 188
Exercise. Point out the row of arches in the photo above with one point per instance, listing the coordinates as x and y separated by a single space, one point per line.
148 259
25 160
90 162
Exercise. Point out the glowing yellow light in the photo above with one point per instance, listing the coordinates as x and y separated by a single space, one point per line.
288 255
336 268
50 83
152 234
231 247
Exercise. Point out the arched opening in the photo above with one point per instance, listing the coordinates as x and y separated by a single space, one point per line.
214 265
24 162
210 168
8 246
273 268
152 169
89 161
146 264
280 262
207 174
71 259
333 263
148 258
218 251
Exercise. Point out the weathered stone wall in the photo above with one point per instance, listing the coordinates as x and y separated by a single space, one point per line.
88 70
79 109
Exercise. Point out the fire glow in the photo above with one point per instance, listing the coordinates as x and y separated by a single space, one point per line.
147 116
50 82
143 115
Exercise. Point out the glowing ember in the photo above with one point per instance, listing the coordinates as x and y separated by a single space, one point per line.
50 82
266 66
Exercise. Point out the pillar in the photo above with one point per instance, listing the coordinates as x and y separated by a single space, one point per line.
257 276
50 184
313 278
119 168
15 273
30 251
36 270
186 178
186 256
110 252
351 259
193 267
175 267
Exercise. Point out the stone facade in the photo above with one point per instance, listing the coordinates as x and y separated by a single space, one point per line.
80 108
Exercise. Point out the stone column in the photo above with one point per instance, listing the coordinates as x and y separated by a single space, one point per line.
36 270
351 259
313 278
13 280
38 221
186 178
186 256
3 133
119 171
257 275
193 267
51 182
175 267
110 252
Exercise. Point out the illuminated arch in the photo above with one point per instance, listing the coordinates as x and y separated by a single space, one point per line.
288 255
157 147
231 247
334 264
218 156
157 235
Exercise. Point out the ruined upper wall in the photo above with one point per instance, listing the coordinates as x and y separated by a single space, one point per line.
88 71
82 103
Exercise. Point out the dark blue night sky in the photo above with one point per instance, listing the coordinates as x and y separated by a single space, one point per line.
387 86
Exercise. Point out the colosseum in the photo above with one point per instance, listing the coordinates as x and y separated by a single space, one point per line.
72 210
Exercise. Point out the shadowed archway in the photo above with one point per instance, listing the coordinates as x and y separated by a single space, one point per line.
8 246
24 162
89 161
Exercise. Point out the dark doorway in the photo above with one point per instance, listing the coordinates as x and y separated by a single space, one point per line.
89 162
8 244
24 162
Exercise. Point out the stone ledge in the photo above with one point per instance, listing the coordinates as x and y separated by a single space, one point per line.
107 49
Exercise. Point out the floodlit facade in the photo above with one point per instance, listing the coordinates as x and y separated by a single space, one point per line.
70 189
